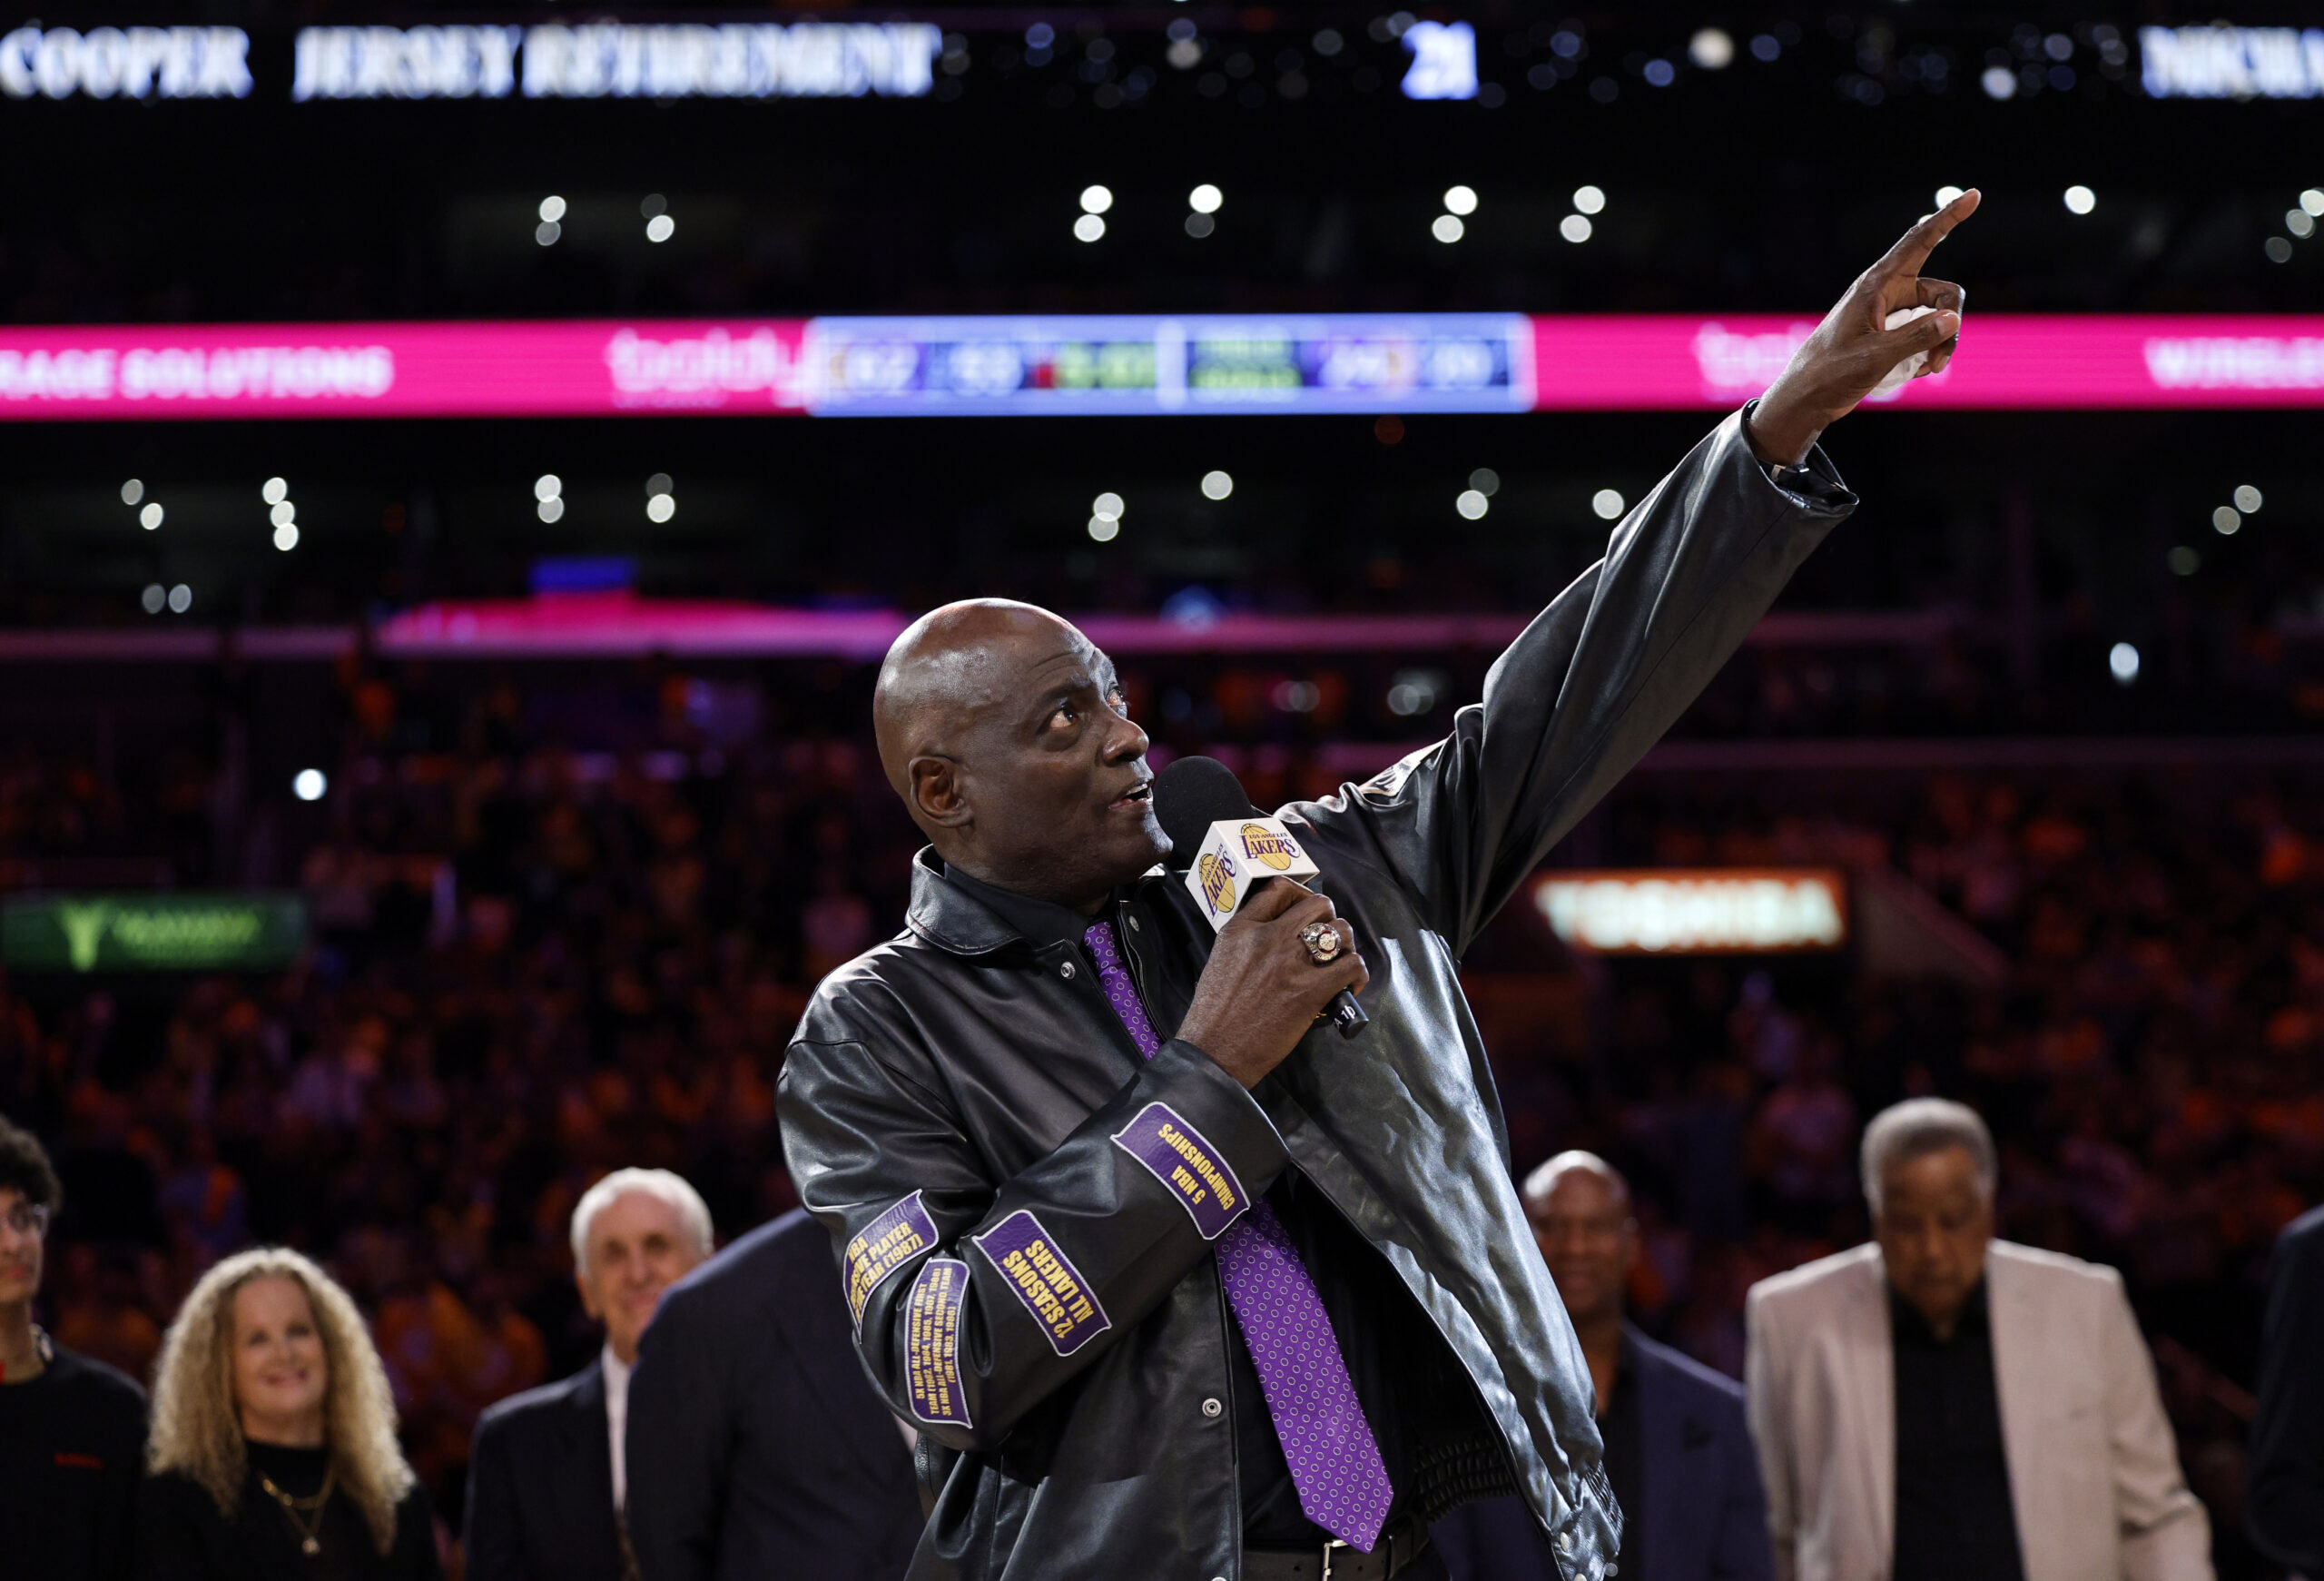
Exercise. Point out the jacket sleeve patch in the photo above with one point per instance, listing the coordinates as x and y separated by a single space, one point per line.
883 1246
933 1343
1182 1159
1051 1288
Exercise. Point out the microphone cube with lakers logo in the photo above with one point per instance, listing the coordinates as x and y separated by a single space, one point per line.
1234 855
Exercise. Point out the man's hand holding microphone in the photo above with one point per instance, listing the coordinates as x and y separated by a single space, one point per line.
1264 987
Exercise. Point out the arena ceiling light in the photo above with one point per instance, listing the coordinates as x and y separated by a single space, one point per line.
661 498
309 784
1447 227
1945 194
150 517
2122 663
181 598
2247 499
1608 503
1588 200
552 211
1217 485
2183 561
659 226
153 598
1206 201
1106 517
2080 198
548 490
1096 199
281 511
1471 503
1575 228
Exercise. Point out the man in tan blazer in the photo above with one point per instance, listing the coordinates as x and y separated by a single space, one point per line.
1944 1404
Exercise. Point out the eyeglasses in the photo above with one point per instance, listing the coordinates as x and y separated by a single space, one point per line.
27 1218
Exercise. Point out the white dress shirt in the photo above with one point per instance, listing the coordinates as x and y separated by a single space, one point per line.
617 1420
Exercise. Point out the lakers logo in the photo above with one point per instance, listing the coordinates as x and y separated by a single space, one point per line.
1218 875
1261 844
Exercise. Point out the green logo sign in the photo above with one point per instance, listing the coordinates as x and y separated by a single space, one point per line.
143 931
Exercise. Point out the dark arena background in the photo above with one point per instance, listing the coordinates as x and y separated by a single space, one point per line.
463 469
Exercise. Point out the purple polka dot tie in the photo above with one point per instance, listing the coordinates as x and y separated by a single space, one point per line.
1335 1461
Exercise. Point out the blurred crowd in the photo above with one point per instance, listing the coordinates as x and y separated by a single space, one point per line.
532 964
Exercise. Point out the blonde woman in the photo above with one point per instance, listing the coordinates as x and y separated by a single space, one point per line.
274 1451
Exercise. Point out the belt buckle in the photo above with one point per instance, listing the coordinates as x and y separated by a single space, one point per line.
1334 1542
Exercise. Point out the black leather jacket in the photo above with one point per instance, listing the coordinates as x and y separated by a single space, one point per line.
958 1077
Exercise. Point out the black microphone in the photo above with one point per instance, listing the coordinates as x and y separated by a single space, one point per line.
1194 793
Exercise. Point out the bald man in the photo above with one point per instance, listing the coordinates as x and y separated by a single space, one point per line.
1678 1449
1170 1284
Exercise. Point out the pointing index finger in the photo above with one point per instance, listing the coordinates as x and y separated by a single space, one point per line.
1912 248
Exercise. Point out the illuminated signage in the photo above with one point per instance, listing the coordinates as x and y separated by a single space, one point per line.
612 60
1339 363
405 62
143 931
125 63
1097 365
1693 911
2231 63
1445 61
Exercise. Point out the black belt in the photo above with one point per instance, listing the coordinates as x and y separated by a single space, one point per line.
1336 1561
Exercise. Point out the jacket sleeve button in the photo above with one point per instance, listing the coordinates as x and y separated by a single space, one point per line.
1211 1407
1065 968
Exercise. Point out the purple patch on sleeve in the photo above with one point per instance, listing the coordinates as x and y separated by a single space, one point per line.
1182 1159
933 1343
883 1246
1051 1288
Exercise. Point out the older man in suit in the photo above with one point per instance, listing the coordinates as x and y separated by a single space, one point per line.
1941 1403
547 1477
1677 1450
758 1449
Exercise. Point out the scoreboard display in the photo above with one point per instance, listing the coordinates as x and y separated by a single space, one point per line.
1341 362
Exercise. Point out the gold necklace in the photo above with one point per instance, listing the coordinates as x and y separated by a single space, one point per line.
310 1541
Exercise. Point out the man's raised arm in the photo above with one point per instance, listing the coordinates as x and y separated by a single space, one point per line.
1609 666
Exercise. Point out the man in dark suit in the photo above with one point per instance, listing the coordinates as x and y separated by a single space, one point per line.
758 1449
2285 1510
1676 1449
548 1478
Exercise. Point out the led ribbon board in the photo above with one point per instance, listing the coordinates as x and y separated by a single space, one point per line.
1088 365
1696 912
1099 365
144 930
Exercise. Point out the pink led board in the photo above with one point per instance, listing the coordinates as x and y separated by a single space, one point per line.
400 370
1127 365
2007 362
